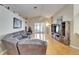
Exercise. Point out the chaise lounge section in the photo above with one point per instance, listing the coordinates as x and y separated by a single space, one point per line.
32 47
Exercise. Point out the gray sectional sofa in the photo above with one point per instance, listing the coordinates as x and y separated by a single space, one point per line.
11 40
18 43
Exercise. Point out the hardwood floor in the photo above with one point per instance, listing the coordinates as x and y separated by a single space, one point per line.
56 48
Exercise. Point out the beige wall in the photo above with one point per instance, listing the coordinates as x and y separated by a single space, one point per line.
6 22
32 20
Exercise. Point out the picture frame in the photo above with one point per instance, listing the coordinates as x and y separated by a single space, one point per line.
17 23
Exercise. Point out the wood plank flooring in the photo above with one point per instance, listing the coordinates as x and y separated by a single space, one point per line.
56 48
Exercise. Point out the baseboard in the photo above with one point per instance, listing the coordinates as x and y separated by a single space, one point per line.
74 47
0 42
3 52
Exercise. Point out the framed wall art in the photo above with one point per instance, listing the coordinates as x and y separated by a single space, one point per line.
17 23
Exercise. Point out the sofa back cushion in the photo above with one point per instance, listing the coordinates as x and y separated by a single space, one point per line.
15 36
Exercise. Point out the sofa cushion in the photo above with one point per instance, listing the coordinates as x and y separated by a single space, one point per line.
32 41
19 37
24 34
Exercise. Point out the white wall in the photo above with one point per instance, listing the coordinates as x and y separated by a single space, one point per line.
75 38
76 18
6 21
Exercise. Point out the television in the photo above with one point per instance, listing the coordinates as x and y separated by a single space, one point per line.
57 28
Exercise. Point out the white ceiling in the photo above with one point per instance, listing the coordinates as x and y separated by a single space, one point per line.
42 9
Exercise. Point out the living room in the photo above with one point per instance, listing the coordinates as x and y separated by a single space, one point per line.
15 20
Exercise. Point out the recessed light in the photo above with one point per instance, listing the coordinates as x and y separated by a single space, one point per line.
35 7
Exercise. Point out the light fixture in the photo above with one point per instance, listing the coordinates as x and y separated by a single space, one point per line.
35 7
47 24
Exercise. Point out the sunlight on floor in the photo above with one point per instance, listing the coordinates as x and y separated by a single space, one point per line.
39 36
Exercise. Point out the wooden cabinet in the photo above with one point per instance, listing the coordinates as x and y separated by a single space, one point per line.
65 32
61 32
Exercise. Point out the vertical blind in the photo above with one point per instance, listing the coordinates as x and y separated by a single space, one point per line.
39 28
39 31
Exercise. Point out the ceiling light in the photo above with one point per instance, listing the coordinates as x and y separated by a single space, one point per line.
35 7
47 24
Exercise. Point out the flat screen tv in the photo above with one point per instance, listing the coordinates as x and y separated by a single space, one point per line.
56 28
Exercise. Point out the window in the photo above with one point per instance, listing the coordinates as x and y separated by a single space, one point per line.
39 28
39 31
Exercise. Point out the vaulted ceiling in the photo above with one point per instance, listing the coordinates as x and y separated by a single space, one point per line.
35 9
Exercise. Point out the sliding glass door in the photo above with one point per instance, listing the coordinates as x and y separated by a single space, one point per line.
39 31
